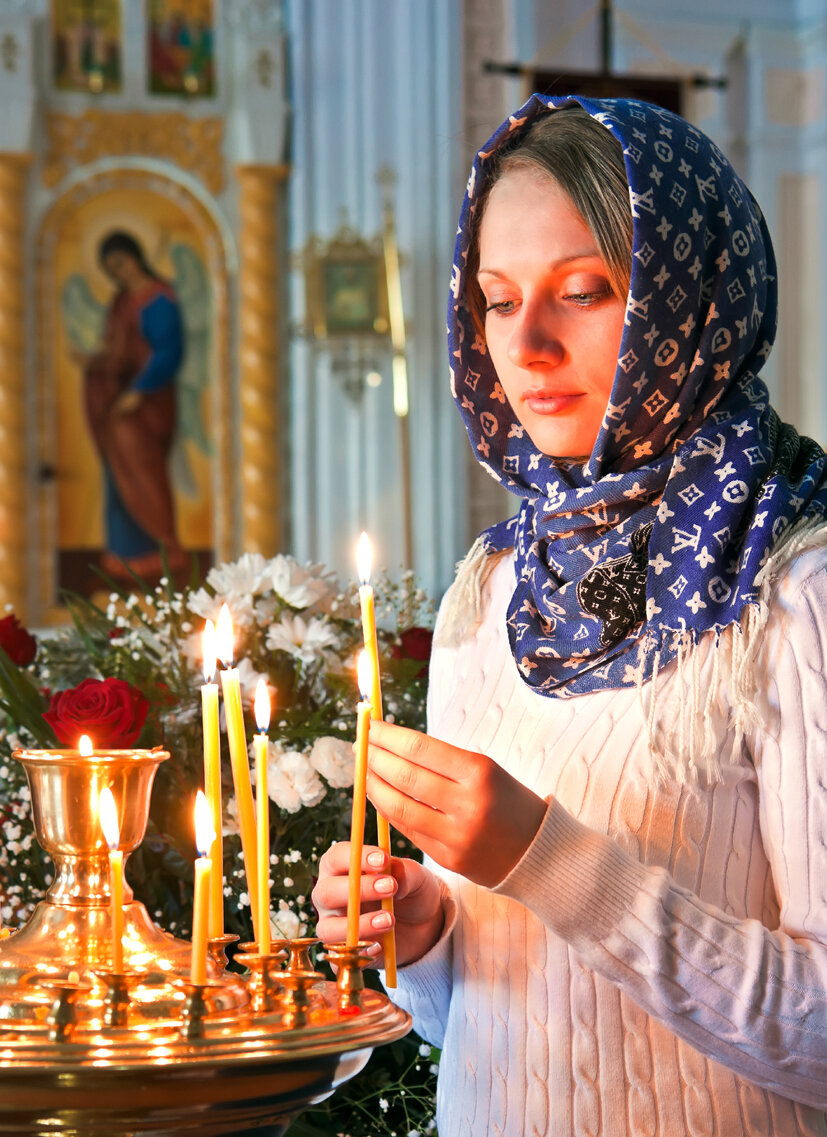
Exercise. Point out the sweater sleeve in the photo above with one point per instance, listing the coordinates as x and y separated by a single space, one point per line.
423 988
751 997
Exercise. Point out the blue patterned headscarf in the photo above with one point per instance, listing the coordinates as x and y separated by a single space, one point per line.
693 479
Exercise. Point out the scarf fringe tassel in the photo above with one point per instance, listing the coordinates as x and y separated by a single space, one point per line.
687 749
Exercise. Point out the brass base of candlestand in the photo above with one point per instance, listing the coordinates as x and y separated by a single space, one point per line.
87 1052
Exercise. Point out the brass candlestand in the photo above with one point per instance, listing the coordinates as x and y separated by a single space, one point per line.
89 1052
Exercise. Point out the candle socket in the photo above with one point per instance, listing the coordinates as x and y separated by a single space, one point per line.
119 985
265 980
62 1017
195 1009
299 950
298 998
217 949
348 961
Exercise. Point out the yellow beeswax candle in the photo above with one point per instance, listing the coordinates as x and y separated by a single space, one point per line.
231 689
201 895
357 817
364 557
108 814
262 713
212 778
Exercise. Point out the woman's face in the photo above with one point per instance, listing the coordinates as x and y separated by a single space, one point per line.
553 325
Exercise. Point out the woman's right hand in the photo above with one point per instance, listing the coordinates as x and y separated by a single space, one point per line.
417 901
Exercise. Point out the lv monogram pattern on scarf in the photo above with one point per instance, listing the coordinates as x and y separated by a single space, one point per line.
692 479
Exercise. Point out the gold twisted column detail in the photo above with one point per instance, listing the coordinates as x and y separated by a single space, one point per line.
13 498
263 497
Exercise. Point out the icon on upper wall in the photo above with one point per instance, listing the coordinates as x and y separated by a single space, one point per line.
86 45
181 47
345 286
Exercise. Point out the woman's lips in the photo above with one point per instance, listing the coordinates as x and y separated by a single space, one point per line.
549 402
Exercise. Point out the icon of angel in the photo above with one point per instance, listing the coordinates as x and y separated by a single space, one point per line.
144 359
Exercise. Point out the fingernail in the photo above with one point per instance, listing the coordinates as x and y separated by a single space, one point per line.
381 920
385 884
376 859
373 949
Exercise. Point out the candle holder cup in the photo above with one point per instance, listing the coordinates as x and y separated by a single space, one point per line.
217 949
299 997
349 960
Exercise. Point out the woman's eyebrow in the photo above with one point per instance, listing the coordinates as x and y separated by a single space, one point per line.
554 264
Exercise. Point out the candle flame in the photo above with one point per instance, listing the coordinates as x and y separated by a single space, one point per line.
204 831
364 558
85 747
108 813
261 706
224 636
364 674
208 650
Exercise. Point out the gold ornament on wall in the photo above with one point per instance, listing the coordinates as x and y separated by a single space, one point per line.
193 144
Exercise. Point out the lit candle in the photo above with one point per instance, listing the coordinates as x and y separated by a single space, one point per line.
204 835
239 761
357 817
108 814
212 778
262 713
364 557
85 747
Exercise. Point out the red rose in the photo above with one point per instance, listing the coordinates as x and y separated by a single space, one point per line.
414 643
110 711
16 642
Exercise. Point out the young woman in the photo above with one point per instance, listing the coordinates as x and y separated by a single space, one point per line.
620 926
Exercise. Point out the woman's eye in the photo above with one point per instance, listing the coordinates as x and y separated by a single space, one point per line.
501 307
585 299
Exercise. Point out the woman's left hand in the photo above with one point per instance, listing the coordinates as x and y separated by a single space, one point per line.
460 808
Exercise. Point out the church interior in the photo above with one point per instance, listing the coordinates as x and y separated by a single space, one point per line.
227 239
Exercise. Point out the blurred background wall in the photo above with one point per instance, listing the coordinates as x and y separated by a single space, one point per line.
318 125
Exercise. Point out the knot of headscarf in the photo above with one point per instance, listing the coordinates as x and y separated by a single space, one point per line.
692 480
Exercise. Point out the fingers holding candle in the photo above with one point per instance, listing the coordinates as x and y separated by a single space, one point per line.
459 807
417 919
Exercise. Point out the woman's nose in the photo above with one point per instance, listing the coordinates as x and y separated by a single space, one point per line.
534 340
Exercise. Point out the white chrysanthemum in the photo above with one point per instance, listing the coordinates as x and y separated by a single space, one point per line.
208 607
300 586
304 639
245 577
333 758
285 924
291 780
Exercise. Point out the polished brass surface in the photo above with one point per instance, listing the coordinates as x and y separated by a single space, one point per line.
88 1052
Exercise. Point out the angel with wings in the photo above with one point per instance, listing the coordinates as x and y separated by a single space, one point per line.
141 392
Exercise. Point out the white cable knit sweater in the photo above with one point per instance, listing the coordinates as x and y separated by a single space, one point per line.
656 965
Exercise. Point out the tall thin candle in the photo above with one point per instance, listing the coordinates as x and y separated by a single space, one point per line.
364 558
212 778
262 713
108 814
231 688
201 896
357 817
